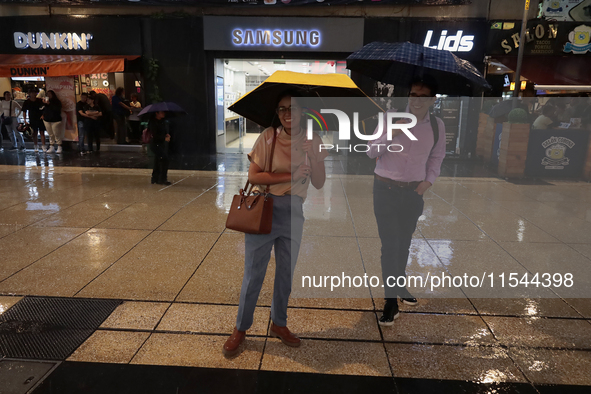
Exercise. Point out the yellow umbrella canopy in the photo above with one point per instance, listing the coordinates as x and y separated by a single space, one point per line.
259 104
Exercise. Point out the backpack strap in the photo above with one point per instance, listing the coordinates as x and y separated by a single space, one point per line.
435 128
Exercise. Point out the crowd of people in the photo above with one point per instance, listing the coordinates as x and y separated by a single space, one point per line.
562 111
97 116
547 113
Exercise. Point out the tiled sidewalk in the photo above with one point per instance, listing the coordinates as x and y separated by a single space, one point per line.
108 233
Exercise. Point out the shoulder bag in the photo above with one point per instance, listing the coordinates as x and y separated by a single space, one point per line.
252 213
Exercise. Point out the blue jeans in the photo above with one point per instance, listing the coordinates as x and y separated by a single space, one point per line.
15 137
81 135
397 211
286 237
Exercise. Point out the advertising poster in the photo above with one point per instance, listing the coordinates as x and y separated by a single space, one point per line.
567 10
64 89
554 153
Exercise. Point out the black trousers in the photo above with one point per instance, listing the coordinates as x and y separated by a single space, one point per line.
93 134
136 133
121 131
160 172
397 211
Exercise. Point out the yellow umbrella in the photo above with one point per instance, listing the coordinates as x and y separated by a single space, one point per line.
259 104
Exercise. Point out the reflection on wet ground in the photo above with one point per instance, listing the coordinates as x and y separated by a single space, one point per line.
99 232
336 164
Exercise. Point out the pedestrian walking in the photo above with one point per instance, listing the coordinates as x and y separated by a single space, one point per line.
52 118
10 112
295 161
400 180
92 123
33 110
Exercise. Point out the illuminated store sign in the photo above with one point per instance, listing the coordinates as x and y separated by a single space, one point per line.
243 37
288 34
67 41
453 43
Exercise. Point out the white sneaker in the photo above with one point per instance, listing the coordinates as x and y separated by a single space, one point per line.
59 149
44 148
51 149
36 149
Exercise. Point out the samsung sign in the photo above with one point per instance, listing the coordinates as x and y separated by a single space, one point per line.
288 34
276 38
454 43
67 41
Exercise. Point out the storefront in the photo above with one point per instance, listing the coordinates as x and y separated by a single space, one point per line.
555 71
467 40
555 53
71 56
243 52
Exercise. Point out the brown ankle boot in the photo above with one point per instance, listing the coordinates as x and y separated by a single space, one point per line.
285 335
232 345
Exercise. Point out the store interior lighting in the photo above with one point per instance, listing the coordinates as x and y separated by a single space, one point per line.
570 88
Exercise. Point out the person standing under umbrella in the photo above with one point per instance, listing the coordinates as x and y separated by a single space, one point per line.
288 181
159 128
401 179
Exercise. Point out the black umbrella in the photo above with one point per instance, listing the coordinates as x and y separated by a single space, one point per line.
398 63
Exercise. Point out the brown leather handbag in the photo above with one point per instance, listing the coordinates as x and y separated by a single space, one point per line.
252 213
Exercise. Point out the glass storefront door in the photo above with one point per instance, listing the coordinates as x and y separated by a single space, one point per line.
235 134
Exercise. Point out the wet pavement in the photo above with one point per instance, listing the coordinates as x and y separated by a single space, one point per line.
137 157
75 227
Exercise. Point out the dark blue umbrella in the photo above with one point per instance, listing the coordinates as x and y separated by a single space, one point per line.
398 63
170 108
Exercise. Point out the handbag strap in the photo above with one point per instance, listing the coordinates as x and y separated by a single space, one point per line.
246 188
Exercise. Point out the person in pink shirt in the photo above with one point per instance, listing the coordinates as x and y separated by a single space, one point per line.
402 175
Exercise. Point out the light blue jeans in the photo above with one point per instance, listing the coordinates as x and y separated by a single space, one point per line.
15 137
286 237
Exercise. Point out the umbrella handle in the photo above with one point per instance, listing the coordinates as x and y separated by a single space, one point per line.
304 181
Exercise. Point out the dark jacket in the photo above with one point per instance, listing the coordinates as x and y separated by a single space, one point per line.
53 111
158 129
34 109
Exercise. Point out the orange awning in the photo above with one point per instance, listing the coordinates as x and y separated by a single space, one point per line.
60 65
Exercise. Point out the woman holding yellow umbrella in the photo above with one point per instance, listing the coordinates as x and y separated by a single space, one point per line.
296 162
287 180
